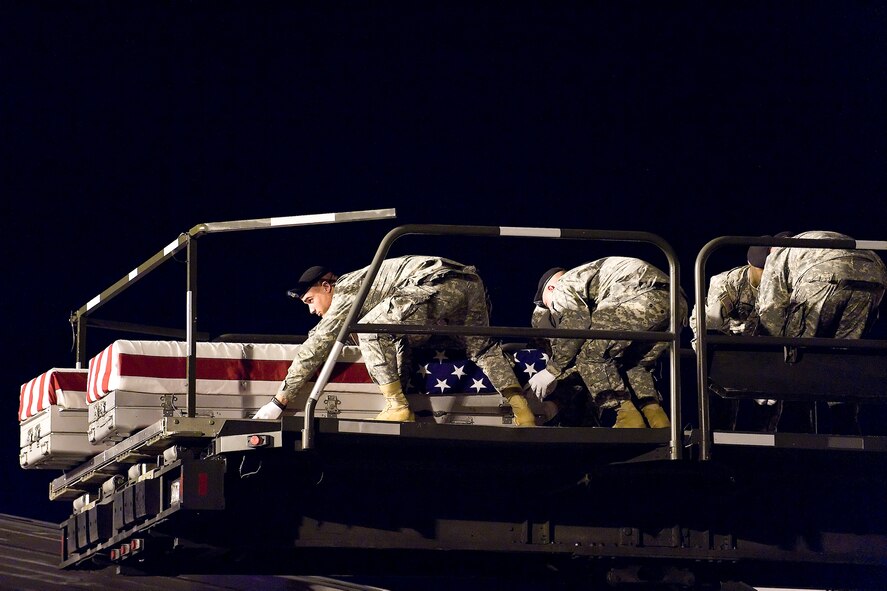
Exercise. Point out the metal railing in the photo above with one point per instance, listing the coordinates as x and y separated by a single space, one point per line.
703 339
188 241
351 324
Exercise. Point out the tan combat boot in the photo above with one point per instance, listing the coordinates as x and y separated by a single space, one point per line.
656 417
397 408
523 416
628 417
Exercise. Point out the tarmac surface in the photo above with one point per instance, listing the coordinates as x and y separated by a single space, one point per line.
30 557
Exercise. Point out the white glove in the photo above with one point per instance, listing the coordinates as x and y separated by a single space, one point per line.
272 410
542 384
765 401
736 327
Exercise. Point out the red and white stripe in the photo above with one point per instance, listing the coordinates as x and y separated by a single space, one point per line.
158 367
62 386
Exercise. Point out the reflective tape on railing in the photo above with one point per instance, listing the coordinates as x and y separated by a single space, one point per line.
872 244
539 232
303 219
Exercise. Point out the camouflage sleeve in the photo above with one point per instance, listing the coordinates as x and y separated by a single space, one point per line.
694 327
314 350
774 293
541 318
570 311
720 302
715 311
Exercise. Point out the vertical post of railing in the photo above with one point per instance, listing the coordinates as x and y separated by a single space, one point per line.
326 371
78 328
191 325
701 344
677 430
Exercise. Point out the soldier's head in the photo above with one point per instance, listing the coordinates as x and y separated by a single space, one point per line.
315 289
546 285
757 257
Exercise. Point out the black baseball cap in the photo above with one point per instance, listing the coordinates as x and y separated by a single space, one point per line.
757 255
311 276
543 281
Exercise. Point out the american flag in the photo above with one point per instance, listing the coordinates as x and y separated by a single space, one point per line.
448 371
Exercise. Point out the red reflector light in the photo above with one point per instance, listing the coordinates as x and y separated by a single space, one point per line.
258 440
202 484
115 554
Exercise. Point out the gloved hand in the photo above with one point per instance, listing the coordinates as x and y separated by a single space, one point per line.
765 401
542 384
272 410
736 327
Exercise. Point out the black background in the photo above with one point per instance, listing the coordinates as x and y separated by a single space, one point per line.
125 124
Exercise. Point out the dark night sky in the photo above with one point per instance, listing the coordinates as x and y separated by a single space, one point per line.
125 124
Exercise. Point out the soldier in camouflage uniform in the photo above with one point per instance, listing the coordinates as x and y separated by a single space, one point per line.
822 292
612 293
415 290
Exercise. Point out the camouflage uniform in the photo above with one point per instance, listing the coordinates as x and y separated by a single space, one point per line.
822 292
612 293
807 292
729 304
414 290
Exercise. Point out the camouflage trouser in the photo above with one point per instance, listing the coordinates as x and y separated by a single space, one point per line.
833 309
455 299
841 310
609 368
